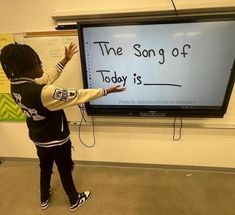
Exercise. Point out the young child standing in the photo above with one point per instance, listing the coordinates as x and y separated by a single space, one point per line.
43 103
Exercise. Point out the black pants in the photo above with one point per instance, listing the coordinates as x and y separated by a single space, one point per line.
62 157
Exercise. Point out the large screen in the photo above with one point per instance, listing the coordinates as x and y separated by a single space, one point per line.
182 68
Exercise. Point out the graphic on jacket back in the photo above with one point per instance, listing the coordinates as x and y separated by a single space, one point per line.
29 112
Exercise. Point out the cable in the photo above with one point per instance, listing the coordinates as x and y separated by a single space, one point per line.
172 1
180 129
82 110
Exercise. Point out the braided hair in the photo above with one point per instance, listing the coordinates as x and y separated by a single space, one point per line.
18 60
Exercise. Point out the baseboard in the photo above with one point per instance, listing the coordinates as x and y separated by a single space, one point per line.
132 165
156 166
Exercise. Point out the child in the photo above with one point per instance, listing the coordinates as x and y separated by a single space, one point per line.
43 103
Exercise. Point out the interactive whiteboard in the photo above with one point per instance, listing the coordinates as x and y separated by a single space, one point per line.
183 67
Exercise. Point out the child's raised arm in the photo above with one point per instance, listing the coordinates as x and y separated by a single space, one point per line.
55 98
52 75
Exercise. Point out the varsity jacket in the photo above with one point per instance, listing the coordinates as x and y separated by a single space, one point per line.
43 103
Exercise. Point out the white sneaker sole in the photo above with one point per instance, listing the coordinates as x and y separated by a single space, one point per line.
81 202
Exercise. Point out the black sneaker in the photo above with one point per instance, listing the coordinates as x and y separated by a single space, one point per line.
45 204
82 198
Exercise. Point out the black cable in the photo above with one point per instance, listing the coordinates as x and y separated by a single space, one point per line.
82 110
172 1
180 129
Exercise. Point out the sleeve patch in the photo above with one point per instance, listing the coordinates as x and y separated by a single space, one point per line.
64 95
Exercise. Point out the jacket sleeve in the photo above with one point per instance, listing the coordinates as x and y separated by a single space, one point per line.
55 98
50 76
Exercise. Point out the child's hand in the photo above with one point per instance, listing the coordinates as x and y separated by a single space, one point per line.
115 89
70 51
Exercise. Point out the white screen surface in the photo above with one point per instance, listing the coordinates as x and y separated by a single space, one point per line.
185 64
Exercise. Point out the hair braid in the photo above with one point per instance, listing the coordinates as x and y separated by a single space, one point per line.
18 60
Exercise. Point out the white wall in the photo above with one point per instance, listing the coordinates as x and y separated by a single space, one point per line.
134 144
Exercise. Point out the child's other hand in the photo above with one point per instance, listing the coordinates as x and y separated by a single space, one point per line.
115 89
70 51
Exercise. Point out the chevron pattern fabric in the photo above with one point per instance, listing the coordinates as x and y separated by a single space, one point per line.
9 110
